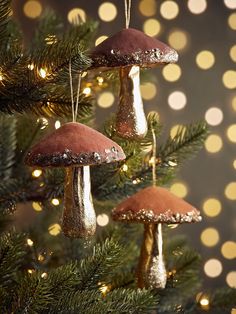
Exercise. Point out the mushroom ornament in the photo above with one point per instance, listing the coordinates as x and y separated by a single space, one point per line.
154 206
75 147
129 50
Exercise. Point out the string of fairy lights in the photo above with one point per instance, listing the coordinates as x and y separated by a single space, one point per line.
153 13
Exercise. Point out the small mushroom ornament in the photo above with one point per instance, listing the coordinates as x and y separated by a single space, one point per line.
75 147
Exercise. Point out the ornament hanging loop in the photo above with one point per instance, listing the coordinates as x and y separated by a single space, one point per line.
127 12
74 106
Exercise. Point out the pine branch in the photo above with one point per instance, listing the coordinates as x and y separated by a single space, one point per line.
5 9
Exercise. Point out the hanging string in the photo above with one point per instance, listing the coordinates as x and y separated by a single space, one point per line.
74 108
127 12
154 157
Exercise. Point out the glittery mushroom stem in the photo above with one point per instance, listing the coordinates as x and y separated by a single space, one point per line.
151 269
130 120
79 218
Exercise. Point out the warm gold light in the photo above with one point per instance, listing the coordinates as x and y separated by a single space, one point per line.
229 79
37 206
148 7
213 143
228 250
231 279
214 116
44 275
37 173
100 39
32 9
87 91
152 27
177 100
41 258
124 168
179 189
178 39
213 268
100 80
30 271
107 11
171 72
30 242
230 4
76 16
205 59
197 6
57 124
232 21
102 220
204 303
230 191
106 100
175 129
148 90
43 73
30 66
43 122
212 207
54 229
231 133
169 9
210 237
55 201
232 52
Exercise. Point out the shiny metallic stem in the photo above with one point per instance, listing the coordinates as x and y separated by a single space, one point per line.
79 218
151 269
131 120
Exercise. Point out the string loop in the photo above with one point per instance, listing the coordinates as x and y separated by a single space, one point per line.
127 12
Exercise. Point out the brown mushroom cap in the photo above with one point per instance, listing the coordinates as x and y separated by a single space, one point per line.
155 205
132 47
74 144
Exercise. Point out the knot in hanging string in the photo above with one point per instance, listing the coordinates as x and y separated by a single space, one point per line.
127 12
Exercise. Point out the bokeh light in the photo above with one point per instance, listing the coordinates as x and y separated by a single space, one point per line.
171 72
148 7
229 79
37 173
213 143
177 100
148 90
100 39
54 229
205 59
152 27
230 4
230 191
231 279
107 11
210 237
76 16
212 207
102 220
213 268
106 100
175 129
197 6
214 116
232 21
231 133
232 53
32 9
37 206
179 189
228 250
55 201
57 124
169 9
178 39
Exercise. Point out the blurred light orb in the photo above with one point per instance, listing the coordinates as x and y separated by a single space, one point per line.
177 100
197 6
229 79
152 27
179 189
102 220
231 133
178 39
37 173
169 9
214 116
171 72
55 201
176 129
100 39
213 268
230 191
210 237
230 4
148 90
212 207
148 7
205 59
107 11
232 21
231 279
228 250
106 100
213 143
32 9
76 16
232 52
54 229
37 206
57 124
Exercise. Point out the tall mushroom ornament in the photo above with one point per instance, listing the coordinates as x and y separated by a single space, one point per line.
75 147
154 206
129 50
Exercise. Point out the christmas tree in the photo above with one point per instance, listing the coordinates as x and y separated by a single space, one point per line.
98 274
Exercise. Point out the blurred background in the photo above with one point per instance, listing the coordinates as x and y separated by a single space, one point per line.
201 86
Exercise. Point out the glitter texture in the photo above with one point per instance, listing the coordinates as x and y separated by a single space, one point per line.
156 276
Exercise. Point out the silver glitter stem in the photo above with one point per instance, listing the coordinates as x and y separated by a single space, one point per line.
79 218
130 120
